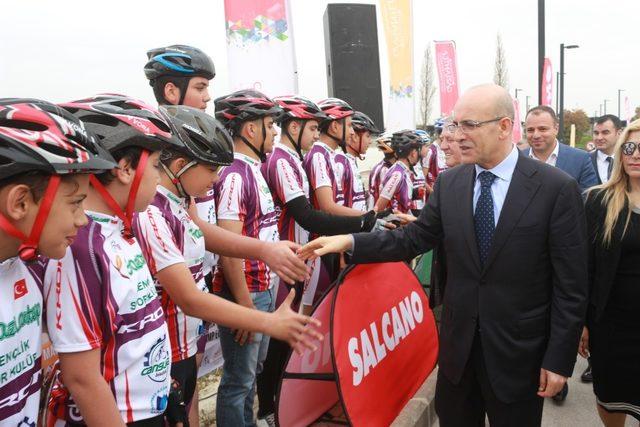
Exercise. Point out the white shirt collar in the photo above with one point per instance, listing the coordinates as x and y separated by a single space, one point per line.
602 156
504 169
554 154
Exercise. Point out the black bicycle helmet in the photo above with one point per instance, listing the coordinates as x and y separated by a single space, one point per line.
404 141
179 61
205 139
296 107
38 135
245 105
362 123
337 109
42 137
120 121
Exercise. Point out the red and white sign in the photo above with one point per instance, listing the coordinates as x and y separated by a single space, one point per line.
380 345
547 83
517 124
447 75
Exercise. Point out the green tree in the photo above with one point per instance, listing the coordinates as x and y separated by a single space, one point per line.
579 118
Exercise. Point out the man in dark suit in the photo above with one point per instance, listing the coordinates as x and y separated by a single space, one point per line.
541 127
606 131
514 234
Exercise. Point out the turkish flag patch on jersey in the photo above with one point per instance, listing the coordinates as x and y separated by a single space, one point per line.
20 289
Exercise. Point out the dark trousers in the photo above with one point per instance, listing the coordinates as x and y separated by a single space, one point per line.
466 404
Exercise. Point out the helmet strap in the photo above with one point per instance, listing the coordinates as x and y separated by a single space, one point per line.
296 145
28 249
184 86
125 215
257 152
359 154
341 141
175 178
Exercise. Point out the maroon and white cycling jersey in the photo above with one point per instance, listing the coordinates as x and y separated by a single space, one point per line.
169 236
242 194
398 187
101 295
319 163
350 182
21 314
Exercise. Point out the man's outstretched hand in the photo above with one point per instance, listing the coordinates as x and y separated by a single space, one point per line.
326 245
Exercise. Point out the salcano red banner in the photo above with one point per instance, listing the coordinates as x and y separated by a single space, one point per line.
380 345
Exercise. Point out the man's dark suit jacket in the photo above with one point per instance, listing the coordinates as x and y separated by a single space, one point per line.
594 161
528 302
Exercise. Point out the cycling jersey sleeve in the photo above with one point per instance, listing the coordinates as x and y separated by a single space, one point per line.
390 186
230 203
287 186
157 240
319 175
320 222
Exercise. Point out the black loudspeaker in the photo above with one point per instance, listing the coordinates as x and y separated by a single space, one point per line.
353 62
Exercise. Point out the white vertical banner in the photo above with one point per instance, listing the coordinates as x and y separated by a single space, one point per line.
398 30
260 46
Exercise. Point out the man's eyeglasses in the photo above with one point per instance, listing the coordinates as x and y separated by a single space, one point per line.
467 126
630 147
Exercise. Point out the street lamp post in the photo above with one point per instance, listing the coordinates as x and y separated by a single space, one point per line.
619 92
541 47
518 90
605 105
527 103
561 106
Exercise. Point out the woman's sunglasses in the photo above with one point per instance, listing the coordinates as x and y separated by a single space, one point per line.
630 147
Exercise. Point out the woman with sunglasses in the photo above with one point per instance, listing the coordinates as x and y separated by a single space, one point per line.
612 334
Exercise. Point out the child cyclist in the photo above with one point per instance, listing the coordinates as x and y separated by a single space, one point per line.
289 186
46 156
245 206
380 169
397 188
357 146
133 363
319 162
180 75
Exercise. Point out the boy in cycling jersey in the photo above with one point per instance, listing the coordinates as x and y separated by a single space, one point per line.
47 156
349 176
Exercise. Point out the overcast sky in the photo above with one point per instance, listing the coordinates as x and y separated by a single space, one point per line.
67 49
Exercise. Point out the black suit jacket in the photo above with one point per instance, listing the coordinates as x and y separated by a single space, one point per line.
529 300
603 258
594 161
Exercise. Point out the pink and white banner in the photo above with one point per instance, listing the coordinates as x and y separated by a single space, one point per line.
260 46
517 125
628 114
547 83
447 75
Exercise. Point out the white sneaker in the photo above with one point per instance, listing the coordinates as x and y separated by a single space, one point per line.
267 420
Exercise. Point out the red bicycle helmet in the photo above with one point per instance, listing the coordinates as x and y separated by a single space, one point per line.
39 136
295 107
244 105
121 122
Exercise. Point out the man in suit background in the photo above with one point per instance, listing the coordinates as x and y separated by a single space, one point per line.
514 234
605 135
541 126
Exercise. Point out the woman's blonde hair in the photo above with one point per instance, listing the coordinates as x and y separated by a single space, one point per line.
616 190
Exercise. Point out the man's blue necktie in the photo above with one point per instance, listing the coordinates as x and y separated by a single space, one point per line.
483 217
